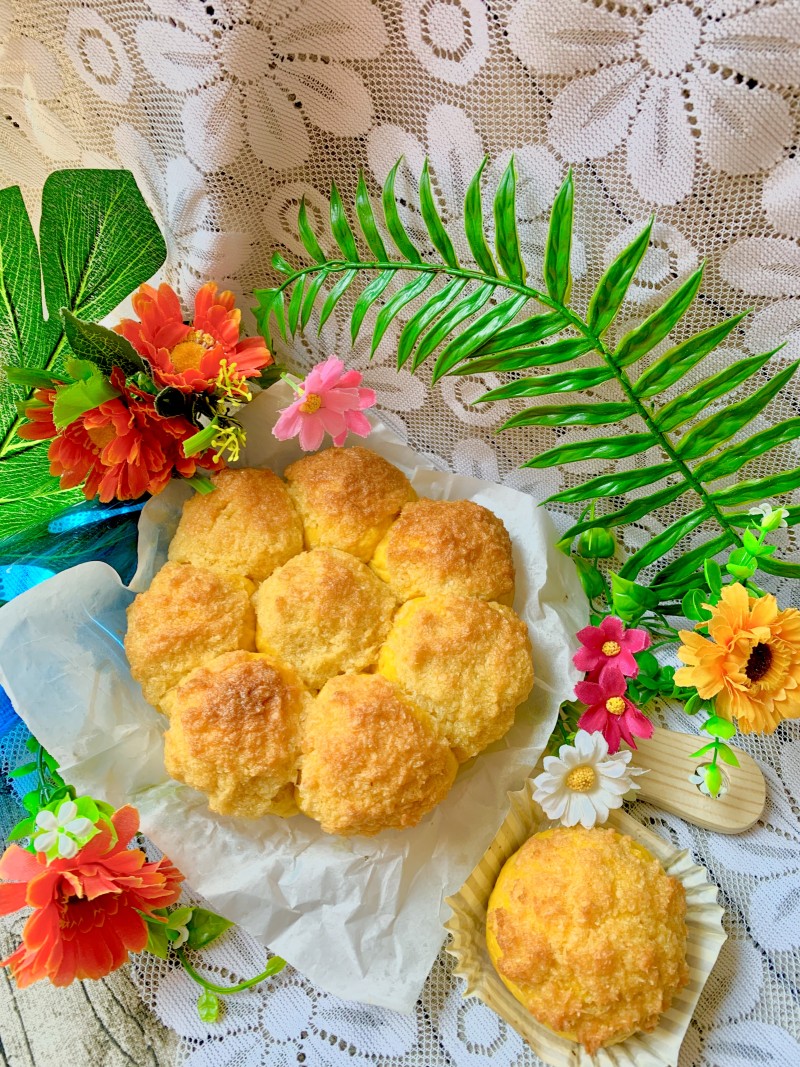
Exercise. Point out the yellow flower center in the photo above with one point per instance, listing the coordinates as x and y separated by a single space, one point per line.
187 355
616 705
581 779
611 648
311 403
101 436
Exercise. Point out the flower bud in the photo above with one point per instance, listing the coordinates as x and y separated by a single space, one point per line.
596 543
713 779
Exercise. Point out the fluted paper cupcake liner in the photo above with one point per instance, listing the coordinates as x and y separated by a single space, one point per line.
468 927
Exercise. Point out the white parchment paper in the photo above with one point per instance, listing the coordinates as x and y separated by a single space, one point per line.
361 917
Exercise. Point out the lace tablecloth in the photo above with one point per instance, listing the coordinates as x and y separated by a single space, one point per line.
227 112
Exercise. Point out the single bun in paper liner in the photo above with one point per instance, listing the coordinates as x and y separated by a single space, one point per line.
467 925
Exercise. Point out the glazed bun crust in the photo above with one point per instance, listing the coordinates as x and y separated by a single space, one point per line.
234 734
447 546
371 760
466 661
325 613
347 498
247 526
588 932
188 615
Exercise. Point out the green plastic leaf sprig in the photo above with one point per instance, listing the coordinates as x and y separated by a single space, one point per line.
480 314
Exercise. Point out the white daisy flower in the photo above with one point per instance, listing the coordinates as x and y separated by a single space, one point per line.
583 783
771 518
61 832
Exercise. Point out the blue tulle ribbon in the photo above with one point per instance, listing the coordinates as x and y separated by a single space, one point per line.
91 531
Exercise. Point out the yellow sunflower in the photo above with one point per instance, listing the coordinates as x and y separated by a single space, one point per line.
750 661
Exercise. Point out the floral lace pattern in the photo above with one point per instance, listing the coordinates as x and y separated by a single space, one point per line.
228 112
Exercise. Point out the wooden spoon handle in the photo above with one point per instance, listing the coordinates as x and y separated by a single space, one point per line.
666 756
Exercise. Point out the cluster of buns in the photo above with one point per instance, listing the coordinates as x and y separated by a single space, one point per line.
330 643
588 932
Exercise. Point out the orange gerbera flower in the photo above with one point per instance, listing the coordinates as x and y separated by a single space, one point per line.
750 661
86 909
190 356
119 450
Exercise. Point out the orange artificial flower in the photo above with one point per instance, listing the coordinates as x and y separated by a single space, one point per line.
86 909
750 661
119 450
190 357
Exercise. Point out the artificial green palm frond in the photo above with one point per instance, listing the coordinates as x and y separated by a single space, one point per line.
457 327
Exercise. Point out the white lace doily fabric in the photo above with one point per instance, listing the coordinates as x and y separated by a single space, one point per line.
228 111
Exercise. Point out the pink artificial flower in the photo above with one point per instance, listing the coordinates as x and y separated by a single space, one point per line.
610 711
610 644
330 399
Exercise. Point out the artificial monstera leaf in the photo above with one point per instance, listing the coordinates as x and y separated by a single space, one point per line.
97 242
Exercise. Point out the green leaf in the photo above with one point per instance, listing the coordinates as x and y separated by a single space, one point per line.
157 940
530 330
727 755
281 263
692 605
395 304
758 488
570 415
208 1006
393 224
29 494
631 512
179 917
614 484
648 664
22 829
694 400
505 223
680 359
98 241
713 574
270 302
20 772
693 704
557 275
465 308
703 751
367 298
545 384
333 297
295 304
717 428
341 227
596 448
732 459
612 287
740 564
424 316
366 217
658 546
681 568
593 582
779 567
750 542
483 327
307 235
205 927
102 347
628 600
311 295
644 337
473 224
438 234
719 727
561 351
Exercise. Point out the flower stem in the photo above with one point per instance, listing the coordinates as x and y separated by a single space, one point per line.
275 965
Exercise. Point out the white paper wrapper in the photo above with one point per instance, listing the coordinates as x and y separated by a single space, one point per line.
362 917
468 927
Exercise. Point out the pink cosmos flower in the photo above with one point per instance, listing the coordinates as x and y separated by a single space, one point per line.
330 399
610 711
610 643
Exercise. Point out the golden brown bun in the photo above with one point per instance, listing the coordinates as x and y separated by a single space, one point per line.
247 526
187 616
325 613
234 734
589 934
447 546
466 661
371 760
347 497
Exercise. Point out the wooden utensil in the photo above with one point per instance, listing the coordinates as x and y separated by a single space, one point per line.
666 756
